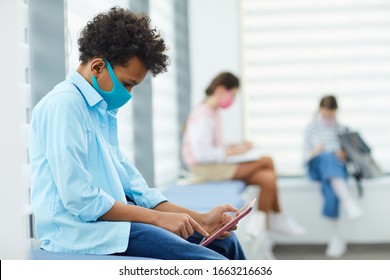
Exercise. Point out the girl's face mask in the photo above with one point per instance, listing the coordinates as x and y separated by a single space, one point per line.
226 100
327 117
328 121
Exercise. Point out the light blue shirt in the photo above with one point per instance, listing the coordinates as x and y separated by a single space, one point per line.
78 172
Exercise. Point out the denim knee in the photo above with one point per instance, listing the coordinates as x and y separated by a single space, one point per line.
229 247
328 165
331 202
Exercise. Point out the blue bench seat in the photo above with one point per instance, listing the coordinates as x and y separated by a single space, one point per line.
203 197
39 254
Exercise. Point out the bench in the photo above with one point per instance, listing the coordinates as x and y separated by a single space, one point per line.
302 199
39 254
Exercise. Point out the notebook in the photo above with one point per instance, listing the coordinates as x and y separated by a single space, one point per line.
251 155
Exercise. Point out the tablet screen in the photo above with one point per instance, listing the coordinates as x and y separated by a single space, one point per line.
224 227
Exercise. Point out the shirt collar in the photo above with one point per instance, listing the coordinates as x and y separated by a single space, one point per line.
90 94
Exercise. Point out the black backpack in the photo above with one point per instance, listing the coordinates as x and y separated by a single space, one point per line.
359 159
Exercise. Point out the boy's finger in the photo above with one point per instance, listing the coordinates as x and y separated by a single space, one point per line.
229 208
198 228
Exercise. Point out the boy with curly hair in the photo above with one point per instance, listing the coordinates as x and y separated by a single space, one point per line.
81 181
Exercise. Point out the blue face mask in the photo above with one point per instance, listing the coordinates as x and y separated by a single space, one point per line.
118 96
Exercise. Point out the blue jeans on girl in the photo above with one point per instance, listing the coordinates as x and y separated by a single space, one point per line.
323 168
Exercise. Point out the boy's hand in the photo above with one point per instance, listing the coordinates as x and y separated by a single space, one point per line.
217 217
179 223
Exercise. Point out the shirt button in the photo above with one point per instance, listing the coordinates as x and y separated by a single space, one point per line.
103 125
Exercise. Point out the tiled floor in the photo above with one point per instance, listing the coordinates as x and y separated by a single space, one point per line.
316 252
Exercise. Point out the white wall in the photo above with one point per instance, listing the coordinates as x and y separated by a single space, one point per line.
164 88
214 47
13 237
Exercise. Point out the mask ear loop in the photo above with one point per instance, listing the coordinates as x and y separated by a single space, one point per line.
118 95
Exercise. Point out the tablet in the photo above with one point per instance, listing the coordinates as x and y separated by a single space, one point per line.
224 227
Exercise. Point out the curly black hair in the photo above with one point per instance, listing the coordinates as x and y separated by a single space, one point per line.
119 35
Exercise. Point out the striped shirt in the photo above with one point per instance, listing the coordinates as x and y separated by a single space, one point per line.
318 133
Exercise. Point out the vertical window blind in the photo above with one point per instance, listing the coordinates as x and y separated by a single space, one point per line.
78 14
165 111
24 68
296 51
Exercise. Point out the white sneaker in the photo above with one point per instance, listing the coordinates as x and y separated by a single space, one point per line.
268 250
336 247
353 211
283 224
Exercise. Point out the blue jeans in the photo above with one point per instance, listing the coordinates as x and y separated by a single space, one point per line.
323 168
154 242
